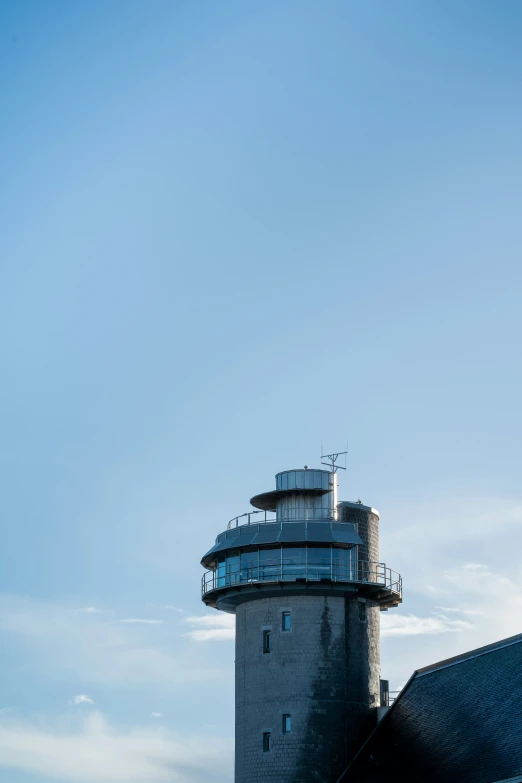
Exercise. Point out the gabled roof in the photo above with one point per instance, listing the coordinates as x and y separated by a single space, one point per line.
458 721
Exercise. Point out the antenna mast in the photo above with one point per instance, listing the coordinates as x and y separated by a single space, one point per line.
332 461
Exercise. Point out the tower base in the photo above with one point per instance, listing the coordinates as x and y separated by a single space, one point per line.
322 672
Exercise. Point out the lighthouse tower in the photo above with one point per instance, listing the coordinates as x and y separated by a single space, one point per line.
302 574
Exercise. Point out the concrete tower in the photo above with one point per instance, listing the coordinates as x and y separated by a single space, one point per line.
307 587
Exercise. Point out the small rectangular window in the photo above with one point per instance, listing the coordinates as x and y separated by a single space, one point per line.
286 624
287 724
266 741
362 612
266 642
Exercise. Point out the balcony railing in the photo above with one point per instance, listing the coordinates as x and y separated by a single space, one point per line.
248 519
289 571
284 514
391 698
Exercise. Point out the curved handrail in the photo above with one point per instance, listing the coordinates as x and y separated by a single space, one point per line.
290 571
249 514
289 514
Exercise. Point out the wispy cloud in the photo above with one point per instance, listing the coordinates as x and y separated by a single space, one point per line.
55 638
95 752
411 625
446 553
174 609
217 620
82 699
436 590
156 715
476 605
140 621
90 610
461 610
212 627
475 591
211 634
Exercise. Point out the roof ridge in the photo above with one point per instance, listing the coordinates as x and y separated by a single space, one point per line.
479 651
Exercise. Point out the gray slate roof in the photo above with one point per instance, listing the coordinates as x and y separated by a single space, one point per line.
282 532
459 721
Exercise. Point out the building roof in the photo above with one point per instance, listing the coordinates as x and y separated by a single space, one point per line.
358 505
458 721
267 501
282 532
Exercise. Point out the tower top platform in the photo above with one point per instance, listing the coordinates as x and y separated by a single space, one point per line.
307 482
313 545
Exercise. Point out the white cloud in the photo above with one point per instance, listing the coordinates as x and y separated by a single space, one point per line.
212 627
461 610
411 625
95 752
212 634
480 606
140 621
174 609
90 610
435 590
481 591
448 555
217 620
53 638
156 715
82 699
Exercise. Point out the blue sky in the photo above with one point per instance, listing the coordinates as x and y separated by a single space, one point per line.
230 232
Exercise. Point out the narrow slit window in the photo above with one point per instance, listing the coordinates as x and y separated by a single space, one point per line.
286 621
362 612
287 724
266 741
267 642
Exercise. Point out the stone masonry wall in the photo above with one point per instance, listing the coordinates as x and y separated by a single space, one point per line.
368 529
324 672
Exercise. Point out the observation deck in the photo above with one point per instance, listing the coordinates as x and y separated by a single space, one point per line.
314 545
307 554
373 580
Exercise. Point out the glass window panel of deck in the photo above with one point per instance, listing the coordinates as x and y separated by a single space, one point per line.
343 560
270 563
293 562
233 566
249 571
319 562
221 570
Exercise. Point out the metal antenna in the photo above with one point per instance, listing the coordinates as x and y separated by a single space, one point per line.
332 459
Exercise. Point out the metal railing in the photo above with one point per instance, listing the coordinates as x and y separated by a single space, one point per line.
235 522
291 570
284 514
304 513
391 698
